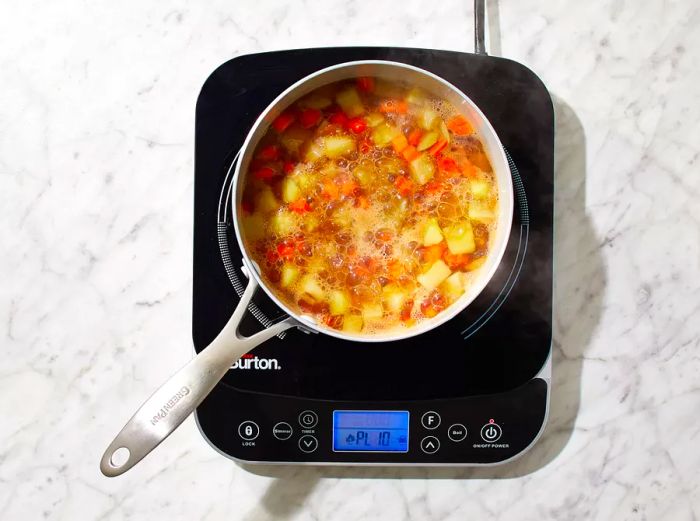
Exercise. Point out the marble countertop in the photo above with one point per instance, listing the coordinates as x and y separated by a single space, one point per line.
96 161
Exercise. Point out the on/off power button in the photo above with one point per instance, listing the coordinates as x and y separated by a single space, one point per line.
491 432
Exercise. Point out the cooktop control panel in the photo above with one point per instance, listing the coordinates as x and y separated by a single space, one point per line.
485 429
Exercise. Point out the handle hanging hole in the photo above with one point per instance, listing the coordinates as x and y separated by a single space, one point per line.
119 457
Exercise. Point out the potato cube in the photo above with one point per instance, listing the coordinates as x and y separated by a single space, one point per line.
338 146
480 188
481 213
383 134
460 238
266 201
314 152
352 323
310 285
372 312
365 173
416 96
339 302
432 233
283 222
427 141
422 169
373 119
290 190
289 274
476 264
427 118
437 273
349 100
294 137
393 298
454 285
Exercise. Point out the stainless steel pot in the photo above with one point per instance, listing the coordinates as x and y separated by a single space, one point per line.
179 396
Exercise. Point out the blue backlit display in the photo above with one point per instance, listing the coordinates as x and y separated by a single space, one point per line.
370 431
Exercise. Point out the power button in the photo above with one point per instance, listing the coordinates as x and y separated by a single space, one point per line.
491 432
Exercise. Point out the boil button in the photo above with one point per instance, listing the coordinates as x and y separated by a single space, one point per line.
491 432
457 432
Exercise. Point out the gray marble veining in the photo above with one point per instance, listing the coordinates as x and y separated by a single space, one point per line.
96 144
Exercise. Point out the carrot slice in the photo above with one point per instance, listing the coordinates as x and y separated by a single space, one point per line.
447 164
398 106
410 153
399 143
404 185
430 254
460 126
414 137
437 147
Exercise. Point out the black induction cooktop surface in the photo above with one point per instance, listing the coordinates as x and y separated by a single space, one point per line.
466 356
475 375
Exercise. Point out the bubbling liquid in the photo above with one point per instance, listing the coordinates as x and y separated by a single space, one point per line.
369 206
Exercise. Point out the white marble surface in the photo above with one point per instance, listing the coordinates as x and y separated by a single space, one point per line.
96 144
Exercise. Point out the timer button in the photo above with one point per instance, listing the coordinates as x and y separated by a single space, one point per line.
308 419
282 431
308 443
430 420
491 432
248 430
430 444
457 432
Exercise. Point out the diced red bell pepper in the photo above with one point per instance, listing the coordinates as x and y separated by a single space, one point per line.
405 314
283 121
310 118
269 153
338 118
365 146
288 167
357 125
247 206
264 174
285 249
300 206
437 147
365 84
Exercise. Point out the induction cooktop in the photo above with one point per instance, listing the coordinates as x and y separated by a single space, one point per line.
474 391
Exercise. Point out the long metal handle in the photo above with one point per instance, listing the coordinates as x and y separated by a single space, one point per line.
479 29
177 398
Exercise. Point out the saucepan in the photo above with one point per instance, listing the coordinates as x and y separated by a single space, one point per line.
177 398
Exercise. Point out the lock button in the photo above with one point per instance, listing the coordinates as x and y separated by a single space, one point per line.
248 430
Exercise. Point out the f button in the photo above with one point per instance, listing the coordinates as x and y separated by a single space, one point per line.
430 420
